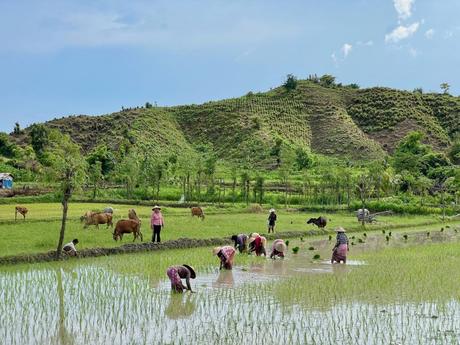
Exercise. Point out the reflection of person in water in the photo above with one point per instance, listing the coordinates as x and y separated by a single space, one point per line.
180 307
177 273
225 279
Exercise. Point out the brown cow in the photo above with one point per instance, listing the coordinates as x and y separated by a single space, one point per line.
96 218
22 210
126 226
198 211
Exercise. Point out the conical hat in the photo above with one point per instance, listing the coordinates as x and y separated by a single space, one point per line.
280 246
216 250
192 271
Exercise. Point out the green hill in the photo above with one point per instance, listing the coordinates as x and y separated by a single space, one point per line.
337 121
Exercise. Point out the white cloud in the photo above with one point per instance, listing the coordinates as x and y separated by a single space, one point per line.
429 34
346 49
413 52
404 8
401 32
334 59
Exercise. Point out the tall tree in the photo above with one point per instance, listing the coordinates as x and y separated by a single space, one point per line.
68 168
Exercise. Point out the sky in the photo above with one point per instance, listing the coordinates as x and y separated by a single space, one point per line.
62 57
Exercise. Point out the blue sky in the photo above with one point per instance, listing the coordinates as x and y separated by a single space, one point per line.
61 57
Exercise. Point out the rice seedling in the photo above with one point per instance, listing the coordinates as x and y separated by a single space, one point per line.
316 257
360 240
387 238
442 229
405 237
287 243
364 234
295 250
311 248
330 237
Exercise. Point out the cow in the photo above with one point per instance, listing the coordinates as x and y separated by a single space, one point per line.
22 210
96 218
132 214
127 226
198 211
320 222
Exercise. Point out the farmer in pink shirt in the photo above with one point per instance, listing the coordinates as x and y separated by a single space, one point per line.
156 223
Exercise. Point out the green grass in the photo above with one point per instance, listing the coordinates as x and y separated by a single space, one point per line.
39 233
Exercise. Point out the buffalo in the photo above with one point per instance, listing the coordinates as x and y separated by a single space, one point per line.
320 222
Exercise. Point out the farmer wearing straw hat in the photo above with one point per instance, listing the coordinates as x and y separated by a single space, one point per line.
271 220
257 244
156 223
241 241
177 273
340 250
226 255
278 249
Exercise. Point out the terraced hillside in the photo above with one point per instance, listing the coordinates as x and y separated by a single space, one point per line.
339 121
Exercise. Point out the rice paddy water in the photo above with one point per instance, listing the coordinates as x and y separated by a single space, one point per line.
402 291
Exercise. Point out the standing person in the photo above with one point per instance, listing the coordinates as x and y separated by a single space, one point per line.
240 242
278 249
226 255
271 220
177 273
340 250
70 248
156 223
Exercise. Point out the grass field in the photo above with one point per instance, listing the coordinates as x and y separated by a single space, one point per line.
39 232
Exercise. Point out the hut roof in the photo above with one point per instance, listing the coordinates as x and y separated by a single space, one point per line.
6 176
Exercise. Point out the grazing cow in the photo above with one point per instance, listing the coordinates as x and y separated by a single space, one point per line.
320 222
96 218
127 226
132 214
198 211
22 210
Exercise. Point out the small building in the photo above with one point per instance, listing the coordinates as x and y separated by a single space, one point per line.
6 181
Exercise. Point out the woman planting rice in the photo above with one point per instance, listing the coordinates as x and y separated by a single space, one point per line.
240 242
225 254
278 249
257 244
339 252
177 273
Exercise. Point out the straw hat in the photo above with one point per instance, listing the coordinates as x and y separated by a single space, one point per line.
192 271
156 207
272 210
340 229
280 246
216 250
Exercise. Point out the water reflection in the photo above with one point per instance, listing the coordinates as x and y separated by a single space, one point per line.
224 279
180 306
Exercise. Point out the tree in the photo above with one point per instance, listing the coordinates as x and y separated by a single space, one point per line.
408 153
285 170
418 90
128 172
327 80
95 176
39 138
102 154
291 82
68 168
7 148
365 189
148 105
445 88
302 159
454 151
17 128
353 86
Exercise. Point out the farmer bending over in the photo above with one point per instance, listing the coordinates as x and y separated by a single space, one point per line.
70 248
226 255
240 242
177 273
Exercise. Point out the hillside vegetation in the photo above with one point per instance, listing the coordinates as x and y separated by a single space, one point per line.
329 120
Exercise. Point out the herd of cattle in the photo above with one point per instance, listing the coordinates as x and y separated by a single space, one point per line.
133 223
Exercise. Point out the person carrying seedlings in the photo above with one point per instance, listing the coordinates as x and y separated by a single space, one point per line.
271 220
177 273
340 250
241 241
156 223
226 255
278 249
257 244
70 248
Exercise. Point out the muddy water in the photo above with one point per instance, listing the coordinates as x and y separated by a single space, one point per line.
91 305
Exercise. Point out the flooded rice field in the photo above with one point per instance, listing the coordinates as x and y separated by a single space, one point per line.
392 291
